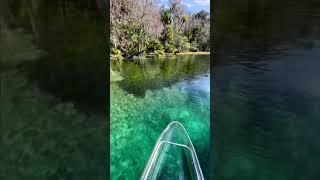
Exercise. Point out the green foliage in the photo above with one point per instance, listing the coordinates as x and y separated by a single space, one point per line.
154 45
136 39
204 45
194 47
182 43
166 17
159 53
167 35
194 34
135 36
116 53
202 15
170 48
200 40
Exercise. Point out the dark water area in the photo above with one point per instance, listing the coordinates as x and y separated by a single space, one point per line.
266 90
150 94
72 65
53 90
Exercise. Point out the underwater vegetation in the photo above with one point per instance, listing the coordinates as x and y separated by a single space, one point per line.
137 118
46 134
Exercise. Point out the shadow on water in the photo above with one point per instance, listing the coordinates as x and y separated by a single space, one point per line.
74 68
266 90
79 79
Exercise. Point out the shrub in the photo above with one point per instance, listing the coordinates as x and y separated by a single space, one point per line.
182 43
170 48
155 45
194 47
116 53
159 53
167 35
134 39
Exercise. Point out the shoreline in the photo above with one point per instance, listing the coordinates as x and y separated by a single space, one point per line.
167 54
193 53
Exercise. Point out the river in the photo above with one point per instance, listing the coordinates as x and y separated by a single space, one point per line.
266 91
151 94
52 91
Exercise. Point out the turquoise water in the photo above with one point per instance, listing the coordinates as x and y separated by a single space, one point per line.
151 94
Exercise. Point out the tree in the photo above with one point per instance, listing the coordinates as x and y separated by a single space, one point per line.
177 12
132 23
136 23
197 29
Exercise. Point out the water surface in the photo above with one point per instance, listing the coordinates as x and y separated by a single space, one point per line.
52 90
266 91
151 94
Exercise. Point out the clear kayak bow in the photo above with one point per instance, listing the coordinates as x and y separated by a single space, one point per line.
173 156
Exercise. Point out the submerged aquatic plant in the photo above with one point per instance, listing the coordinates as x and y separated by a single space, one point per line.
136 123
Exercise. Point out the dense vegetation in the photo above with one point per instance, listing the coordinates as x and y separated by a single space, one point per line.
141 27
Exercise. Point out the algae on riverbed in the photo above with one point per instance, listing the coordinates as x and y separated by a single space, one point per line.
137 120
43 137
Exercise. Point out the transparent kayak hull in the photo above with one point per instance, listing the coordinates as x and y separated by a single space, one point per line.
173 156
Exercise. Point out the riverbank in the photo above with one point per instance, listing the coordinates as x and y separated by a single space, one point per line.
193 53
167 54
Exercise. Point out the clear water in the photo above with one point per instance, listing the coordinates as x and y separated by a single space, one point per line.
266 91
52 91
151 94
268 118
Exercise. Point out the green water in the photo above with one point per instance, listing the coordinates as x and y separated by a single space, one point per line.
148 96
52 91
